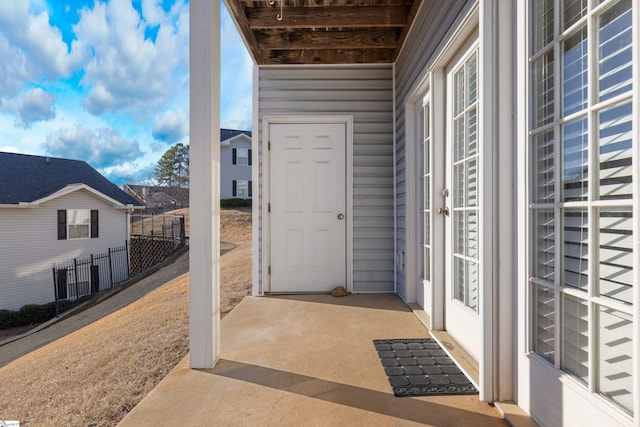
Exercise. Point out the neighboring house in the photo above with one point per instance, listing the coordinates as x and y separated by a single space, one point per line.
51 211
157 198
235 164
478 158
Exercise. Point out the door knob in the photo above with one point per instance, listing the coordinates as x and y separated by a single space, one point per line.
444 211
340 217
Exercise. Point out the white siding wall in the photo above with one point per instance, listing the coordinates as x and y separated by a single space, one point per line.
430 28
30 247
366 93
229 171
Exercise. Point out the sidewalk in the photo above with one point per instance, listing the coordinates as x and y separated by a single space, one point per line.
62 327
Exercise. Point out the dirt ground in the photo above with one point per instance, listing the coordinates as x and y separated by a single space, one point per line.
95 375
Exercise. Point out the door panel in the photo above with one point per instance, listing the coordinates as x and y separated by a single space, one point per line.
308 201
462 260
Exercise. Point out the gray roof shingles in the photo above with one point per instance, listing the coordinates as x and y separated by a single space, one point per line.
230 133
26 178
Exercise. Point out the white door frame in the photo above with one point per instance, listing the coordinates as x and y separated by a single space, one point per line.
487 19
265 198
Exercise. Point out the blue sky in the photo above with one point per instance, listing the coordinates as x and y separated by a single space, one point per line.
107 81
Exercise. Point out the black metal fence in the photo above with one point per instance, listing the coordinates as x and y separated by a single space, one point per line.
83 279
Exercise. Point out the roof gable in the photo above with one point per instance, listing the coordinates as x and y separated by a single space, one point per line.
227 134
237 138
27 179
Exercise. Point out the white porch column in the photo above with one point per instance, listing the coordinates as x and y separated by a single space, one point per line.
204 189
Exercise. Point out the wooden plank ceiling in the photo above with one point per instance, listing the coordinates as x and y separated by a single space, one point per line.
323 31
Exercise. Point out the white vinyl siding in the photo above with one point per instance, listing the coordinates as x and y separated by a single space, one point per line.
230 171
31 247
366 93
582 199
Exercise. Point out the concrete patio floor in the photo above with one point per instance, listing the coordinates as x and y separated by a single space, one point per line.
305 360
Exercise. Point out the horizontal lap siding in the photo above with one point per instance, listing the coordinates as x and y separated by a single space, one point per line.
429 30
366 93
230 172
31 247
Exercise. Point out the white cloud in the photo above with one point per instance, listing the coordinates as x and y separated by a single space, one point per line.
129 173
170 126
100 148
36 43
14 68
9 149
36 105
128 72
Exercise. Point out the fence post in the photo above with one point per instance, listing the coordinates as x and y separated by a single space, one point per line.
183 231
75 272
55 291
91 285
110 271
126 245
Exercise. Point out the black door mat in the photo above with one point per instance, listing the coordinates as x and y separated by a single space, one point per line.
419 367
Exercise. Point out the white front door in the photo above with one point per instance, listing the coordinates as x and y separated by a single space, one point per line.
308 206
461 204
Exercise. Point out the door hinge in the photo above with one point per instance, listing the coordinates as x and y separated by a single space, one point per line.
268 207
269 271
269 146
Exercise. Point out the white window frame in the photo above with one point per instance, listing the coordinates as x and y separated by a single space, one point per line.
558 206
242 156
72 223
242 188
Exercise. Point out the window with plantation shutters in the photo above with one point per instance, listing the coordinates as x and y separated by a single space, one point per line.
581 192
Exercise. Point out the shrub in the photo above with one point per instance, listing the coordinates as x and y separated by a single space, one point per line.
27 315
235 203
8 319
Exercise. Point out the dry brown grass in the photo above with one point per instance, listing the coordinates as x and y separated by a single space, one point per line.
96 375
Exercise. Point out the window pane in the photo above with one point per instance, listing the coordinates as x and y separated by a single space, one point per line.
543 318
472 285
78 221
459 232
542 23
615 254
427 263
472 183
458 185
615 162
575 338
572 11
543 89
472 79
575 248
458 138
615 360
458 279
243 188
544 245
575 160
614 50
459 95
427 227
472 132
243 156
574 73
544 176
427 191
472 234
